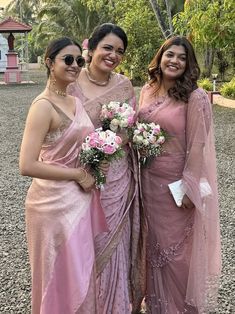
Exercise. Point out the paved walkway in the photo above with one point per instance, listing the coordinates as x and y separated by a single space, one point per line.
224 102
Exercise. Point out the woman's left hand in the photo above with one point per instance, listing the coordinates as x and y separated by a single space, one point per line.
187 203
104 167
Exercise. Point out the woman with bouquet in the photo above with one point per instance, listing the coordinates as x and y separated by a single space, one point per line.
183 243
117 250
63 215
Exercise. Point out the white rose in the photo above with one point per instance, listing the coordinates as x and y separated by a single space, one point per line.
136 132
123 123
113 127
145 134
145 142
115 122
138 139
161 140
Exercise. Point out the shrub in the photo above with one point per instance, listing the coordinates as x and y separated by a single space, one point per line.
206 84
228 89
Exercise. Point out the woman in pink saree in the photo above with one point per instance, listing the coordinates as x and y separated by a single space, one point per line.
118 252
63 214
183 243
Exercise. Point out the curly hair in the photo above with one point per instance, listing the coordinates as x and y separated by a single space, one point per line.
185 84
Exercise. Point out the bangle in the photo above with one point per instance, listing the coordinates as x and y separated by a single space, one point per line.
85 176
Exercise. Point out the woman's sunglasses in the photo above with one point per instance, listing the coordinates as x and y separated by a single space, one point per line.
69 60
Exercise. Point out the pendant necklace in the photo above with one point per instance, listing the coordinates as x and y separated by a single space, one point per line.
104 83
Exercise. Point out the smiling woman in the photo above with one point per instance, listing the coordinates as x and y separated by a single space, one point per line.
60 205
183 240
118 262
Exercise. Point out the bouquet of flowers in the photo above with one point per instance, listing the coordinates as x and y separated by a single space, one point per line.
116 115
148 139
98 146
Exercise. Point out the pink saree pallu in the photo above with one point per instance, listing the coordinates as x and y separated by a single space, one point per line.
61 224
119 252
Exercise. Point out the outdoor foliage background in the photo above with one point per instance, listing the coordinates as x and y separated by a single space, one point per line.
208 24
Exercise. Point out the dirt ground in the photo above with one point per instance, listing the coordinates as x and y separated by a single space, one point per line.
14 265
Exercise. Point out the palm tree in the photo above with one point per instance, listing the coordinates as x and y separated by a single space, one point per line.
25 10
66 18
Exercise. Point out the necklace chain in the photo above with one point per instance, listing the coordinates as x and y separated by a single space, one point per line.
104 83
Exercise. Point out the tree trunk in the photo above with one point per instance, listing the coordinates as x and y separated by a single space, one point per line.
168 11
208 61
162 24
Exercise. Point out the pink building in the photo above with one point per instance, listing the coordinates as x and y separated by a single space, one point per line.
12 73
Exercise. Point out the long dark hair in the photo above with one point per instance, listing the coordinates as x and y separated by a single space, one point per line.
55 46
104 29
185 84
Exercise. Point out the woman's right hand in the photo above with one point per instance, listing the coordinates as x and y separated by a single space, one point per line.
85 180
187 203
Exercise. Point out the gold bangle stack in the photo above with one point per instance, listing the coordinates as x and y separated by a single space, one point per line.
85 176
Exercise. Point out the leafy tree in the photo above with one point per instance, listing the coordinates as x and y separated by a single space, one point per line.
138 20
52 19
144 36
163 10
25 10
146 22
209 25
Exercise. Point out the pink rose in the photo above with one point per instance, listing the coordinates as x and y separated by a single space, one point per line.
110 114
118 140
108 149
161 140
93 142
156 129
130 120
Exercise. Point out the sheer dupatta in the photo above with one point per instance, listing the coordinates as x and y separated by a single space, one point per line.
197 144
200 166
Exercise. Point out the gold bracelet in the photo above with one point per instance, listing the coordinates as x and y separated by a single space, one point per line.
85 176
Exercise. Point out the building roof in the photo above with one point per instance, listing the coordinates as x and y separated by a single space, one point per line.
10 25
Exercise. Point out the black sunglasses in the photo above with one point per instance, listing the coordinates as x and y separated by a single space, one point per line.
69 60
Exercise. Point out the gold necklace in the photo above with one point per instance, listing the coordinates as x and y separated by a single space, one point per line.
57 91
104 83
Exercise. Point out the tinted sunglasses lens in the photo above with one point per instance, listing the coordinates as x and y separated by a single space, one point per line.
68 60
80 61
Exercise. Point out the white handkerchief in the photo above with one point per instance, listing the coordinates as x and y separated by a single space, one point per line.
177 191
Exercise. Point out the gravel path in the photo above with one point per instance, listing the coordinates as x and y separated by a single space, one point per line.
14 265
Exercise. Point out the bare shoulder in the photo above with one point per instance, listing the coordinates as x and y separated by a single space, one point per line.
41 104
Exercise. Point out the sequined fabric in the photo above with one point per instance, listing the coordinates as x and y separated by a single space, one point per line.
118 253
182 275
